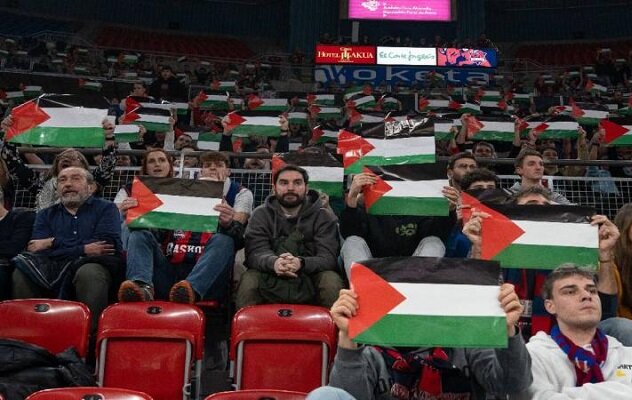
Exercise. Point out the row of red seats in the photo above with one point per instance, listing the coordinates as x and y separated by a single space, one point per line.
572 53
90 393
281 347
125 38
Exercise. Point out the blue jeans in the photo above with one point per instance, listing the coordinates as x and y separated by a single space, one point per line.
329 393
618 328
209 277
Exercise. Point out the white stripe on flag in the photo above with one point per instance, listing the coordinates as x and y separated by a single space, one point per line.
547 233
497 126
261 121
561 126
324 174
438 103
119 129
407 146
443 127
429 188
159 119
74 117
448 300
202 206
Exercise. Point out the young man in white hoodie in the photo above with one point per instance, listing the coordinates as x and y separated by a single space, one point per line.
577 361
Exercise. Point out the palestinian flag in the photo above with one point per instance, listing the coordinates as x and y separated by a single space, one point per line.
489 95
321 99
223 86
627 110
325 172
488 107
425 104
259 104
618 131
212 101
325 134
153 119
126 133
464 107
17 96
427 302
595 87
388 103
534 236
354 91
206 140
408 142
297 117
58 121
259 123
490 128
324 113
31 91
407 190
171 203
361 102
556 127
521 98
90 85
135 101
587 113
442 127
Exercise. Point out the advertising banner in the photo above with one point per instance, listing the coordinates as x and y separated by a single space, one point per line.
337 54
406 55
375 75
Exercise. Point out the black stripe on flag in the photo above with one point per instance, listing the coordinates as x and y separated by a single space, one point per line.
548 213
457 271
87 99
411 172
184 187
308 159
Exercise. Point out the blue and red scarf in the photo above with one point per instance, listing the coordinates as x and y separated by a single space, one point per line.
587 364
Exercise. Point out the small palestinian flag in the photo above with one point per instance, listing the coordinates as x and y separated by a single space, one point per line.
153 119
361 102
31 91
325 133
521 98
425 104
627 110
297 117
126 133
324 113
587 113
398 143
427 302
259 104
90 85
171 203
618 131
595 87
223 86
321 99
324 171
443 127
259 123
535 236
353 92
213 101
135 101
463 107
206 140
388 103
17 96
556 127
490 128
407 190
489 95
58 121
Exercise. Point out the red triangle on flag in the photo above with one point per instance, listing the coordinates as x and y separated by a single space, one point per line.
576 112
373 193
215 84
498 231
311 98
25 117
233 120
376 298
201 96
352 147
630 101
454 105
130 117
589 84
509 96
540 128
423 103
354 116
522 124
147 201
473 126
314 110
502 104
613 130
131 103
254 102
317 133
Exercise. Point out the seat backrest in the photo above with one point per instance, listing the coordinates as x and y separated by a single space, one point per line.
141 344
258 395
50 323
282 346
88 393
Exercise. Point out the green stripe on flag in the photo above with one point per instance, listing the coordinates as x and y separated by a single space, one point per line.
546 257
257 130
333 189
494 135
558 134
445 331
153 126
160 220
357 166
430 206
62 137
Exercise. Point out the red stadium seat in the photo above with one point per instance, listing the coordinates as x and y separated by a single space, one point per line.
282 346
50 323
155 347
88 393
258 395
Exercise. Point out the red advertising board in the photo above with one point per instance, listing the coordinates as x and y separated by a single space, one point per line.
338 54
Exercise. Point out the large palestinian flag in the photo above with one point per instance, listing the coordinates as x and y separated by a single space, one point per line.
618 131
259 104
535 236
389 143
324 171
213 101
424 301
490 128
59 121
324 113
171 203
555 127
153 119
258 123
407 190
587 113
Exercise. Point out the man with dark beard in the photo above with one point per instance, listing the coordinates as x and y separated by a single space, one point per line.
75 246
291 247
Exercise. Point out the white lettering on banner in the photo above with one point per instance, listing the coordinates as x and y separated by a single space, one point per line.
365 75
406 56
391 74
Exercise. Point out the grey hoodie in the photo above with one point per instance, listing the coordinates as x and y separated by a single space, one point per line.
316 223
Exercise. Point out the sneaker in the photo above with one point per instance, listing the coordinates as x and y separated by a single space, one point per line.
182 292
135 291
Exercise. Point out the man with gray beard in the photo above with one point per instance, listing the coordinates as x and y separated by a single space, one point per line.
75 250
